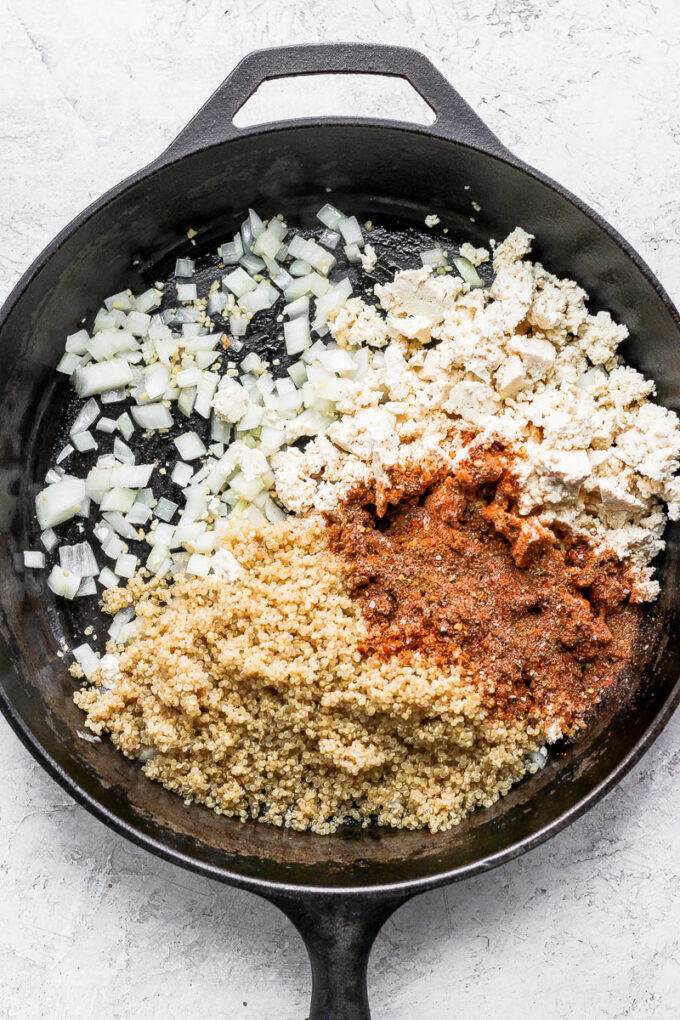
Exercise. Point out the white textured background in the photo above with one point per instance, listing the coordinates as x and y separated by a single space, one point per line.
586 926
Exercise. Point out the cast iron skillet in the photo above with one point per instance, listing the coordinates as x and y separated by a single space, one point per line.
337 890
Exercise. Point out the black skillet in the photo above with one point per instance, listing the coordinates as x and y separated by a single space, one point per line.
337 890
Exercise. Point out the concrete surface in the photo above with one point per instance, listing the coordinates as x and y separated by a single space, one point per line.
585 926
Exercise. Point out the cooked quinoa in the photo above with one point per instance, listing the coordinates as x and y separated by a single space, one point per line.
253 698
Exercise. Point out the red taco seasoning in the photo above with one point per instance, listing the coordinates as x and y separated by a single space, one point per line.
454 572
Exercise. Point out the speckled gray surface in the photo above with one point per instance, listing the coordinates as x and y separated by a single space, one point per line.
587 925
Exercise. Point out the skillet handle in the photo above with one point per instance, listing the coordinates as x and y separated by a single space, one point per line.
455 119
339 931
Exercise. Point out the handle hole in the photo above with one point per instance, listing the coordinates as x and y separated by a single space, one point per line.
332 95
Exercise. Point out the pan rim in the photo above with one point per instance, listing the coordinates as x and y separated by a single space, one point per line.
235 878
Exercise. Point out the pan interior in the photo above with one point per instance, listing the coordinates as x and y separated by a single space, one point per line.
133 240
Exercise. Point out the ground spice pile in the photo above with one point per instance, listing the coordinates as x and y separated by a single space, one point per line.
454 572
257 698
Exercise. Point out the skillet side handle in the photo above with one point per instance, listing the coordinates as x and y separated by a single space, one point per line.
455 119
338 932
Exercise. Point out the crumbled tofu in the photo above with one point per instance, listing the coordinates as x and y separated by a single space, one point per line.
226 566
356 324
522 362
474 255
368 258
511 377
231 400
431 220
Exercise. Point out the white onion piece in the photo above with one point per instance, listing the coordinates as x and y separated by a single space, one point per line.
88 659
433 257
163 534
182 474
139 514
121 300
113 396
65 452
351 230
353 252
138 323
131 476
251 419
199 565
298 307
330 238
330 216
123 526
297 335
186 292
231 252
156 380
34 560
239 282
252 264
147 301
122 452
184 267
336 296
59 502
108 579
238 325
69 363
195 504
120 499
124 423
468 272
190 446
165 509
62 582
126 565
255 224
87 587
77 343
152 416
300 268
79 559
112 546
298 372
107 425
186 400
102 377
88 414
267 244
337 361
84 441
49 539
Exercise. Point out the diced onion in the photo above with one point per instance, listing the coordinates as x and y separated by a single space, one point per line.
62 582
186 292
351 230
88 414
184 267
152 416
330 216
126 565
88 659
102 376
59 502
78 559
34 560
108 579
468 272
84 441
297 335
190 446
